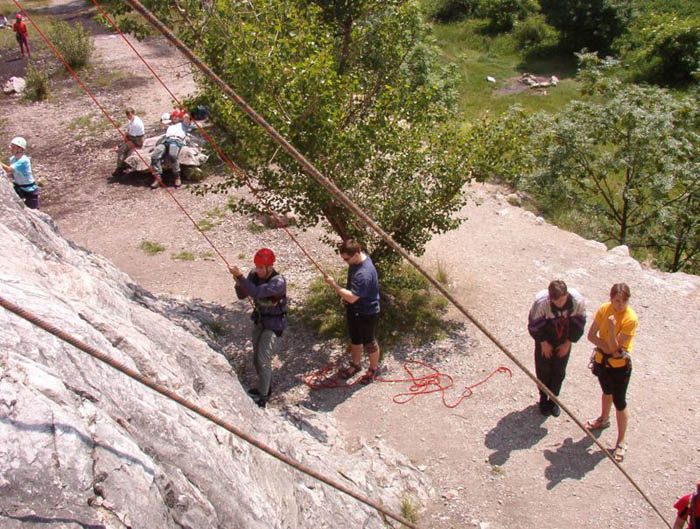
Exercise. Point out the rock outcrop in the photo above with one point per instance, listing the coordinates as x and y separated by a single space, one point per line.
82 445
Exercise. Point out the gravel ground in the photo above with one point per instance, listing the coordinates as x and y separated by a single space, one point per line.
494 460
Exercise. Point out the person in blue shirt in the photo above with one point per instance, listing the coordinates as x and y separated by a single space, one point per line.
268 289
21 170
361 296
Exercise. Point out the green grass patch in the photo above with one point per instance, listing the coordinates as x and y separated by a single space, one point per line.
183 256
151 248
205 225
207 256
412 312
476 54
89 126
255 227
409 510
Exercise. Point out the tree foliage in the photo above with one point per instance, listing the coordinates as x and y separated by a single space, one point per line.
624 161
355 86
590 24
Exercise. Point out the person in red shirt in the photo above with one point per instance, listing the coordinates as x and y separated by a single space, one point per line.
688 508
22 35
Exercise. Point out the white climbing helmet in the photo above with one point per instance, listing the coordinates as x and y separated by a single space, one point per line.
19 142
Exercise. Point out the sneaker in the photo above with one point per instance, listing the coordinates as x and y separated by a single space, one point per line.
554 409
155 184
178 182
545 409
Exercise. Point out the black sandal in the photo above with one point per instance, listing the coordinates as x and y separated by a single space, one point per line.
349 370
369 375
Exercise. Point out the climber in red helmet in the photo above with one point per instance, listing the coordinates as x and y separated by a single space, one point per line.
268 289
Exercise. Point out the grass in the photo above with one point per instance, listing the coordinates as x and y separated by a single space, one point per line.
151 248
409 510
206 225
478 55
411 310
255 227
183 256
207 256
89 126
441 275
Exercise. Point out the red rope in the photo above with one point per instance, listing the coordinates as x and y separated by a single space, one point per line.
431 382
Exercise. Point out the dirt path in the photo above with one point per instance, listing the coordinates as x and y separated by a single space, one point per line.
494 460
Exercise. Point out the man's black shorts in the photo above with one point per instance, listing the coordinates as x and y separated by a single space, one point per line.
361 327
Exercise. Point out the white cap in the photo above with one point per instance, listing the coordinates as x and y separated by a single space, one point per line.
165 118
19 142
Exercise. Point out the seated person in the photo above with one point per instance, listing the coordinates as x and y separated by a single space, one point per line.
169 145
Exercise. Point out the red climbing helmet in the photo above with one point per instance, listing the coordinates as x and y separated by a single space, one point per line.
264 257
175 114
18 17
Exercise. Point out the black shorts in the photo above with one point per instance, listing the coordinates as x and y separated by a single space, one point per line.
614 381
361 327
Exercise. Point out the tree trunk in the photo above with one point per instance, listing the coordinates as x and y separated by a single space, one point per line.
347 40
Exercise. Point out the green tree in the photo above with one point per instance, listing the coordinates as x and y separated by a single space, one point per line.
591 24
355 86
628 158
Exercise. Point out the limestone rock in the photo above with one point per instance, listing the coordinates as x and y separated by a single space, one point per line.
84 445
14 85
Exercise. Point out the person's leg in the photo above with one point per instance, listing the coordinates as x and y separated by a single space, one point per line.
556 377
158 153
173 152
263 361
122 154
621 379
542 370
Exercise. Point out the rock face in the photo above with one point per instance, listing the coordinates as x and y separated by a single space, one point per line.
82 445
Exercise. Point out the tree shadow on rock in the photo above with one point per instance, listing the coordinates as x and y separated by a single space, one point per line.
519 430
571 460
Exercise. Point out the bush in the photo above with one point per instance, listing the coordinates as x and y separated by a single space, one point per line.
668 51
73 42
593 24
37 79
410 308
451 10
534 33
502 14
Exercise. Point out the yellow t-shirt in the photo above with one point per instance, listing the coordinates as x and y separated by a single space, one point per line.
626 323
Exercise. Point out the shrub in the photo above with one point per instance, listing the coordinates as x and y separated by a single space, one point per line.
534 33
668 53
451 10
502 14
151 248
593 24
73 42
410 308
37 88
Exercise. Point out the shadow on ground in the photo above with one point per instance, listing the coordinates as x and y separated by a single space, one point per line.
519 430
571 460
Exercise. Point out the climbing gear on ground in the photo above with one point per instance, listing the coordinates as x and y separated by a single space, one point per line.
597 424
264 257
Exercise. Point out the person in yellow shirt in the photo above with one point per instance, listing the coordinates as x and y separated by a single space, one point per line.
612 332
